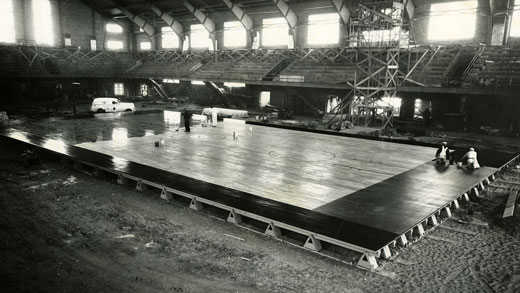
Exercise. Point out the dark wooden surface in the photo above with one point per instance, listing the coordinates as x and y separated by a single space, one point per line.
370 216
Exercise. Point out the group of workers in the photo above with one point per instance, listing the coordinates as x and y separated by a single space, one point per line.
187 117
444 155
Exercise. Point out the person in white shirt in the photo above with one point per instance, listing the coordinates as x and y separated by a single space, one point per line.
471 159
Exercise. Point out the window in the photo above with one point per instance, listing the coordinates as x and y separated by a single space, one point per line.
7 34
265 98
170 40
515 23
144 89
42 17
274 32
145 45
199 37
170 81
119 89
114 45
234 34
114 28
197 82
93 43
323 29
453 20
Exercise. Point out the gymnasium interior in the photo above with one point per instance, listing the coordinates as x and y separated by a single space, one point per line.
260 146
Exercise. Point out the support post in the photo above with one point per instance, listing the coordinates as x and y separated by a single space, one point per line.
456 204
386 253
419 230
196 205
166 195
447 211
234 217
272 230
433 220
121 179
141 186
402 240
312 243
475 191
367 262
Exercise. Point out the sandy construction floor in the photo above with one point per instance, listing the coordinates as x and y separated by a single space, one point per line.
63 230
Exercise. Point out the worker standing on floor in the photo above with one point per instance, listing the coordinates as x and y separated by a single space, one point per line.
187 118
214 117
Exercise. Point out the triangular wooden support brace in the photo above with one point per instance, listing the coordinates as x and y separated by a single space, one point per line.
234 217
487 181
456 204
312 243
141 186
402 240
433 220
475 191
367 262
493 177
165 194
447 211
385 252
272 230
481 185
121 179
419 230
196 205
465 196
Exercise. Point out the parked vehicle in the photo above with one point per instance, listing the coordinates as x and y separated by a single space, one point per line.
102 105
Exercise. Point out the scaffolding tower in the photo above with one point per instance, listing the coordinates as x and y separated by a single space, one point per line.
376 34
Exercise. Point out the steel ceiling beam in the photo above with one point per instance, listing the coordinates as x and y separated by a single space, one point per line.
207 22
289 15
244 18
140 22
174 24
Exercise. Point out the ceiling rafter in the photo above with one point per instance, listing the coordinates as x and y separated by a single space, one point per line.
289 15
207 22
244 18
174 24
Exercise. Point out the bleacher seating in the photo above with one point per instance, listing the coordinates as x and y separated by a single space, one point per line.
239 71
499 67
162 70
321 73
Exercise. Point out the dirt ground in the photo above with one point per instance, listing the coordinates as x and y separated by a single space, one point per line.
65 230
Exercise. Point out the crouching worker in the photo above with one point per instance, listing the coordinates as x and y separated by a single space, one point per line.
471 159
443 154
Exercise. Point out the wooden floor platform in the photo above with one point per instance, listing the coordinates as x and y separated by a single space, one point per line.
356 193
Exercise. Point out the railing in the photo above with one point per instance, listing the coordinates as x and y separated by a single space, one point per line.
472 62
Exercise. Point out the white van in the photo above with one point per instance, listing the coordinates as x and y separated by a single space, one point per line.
102 105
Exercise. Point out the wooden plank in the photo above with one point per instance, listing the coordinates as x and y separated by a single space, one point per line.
510 204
